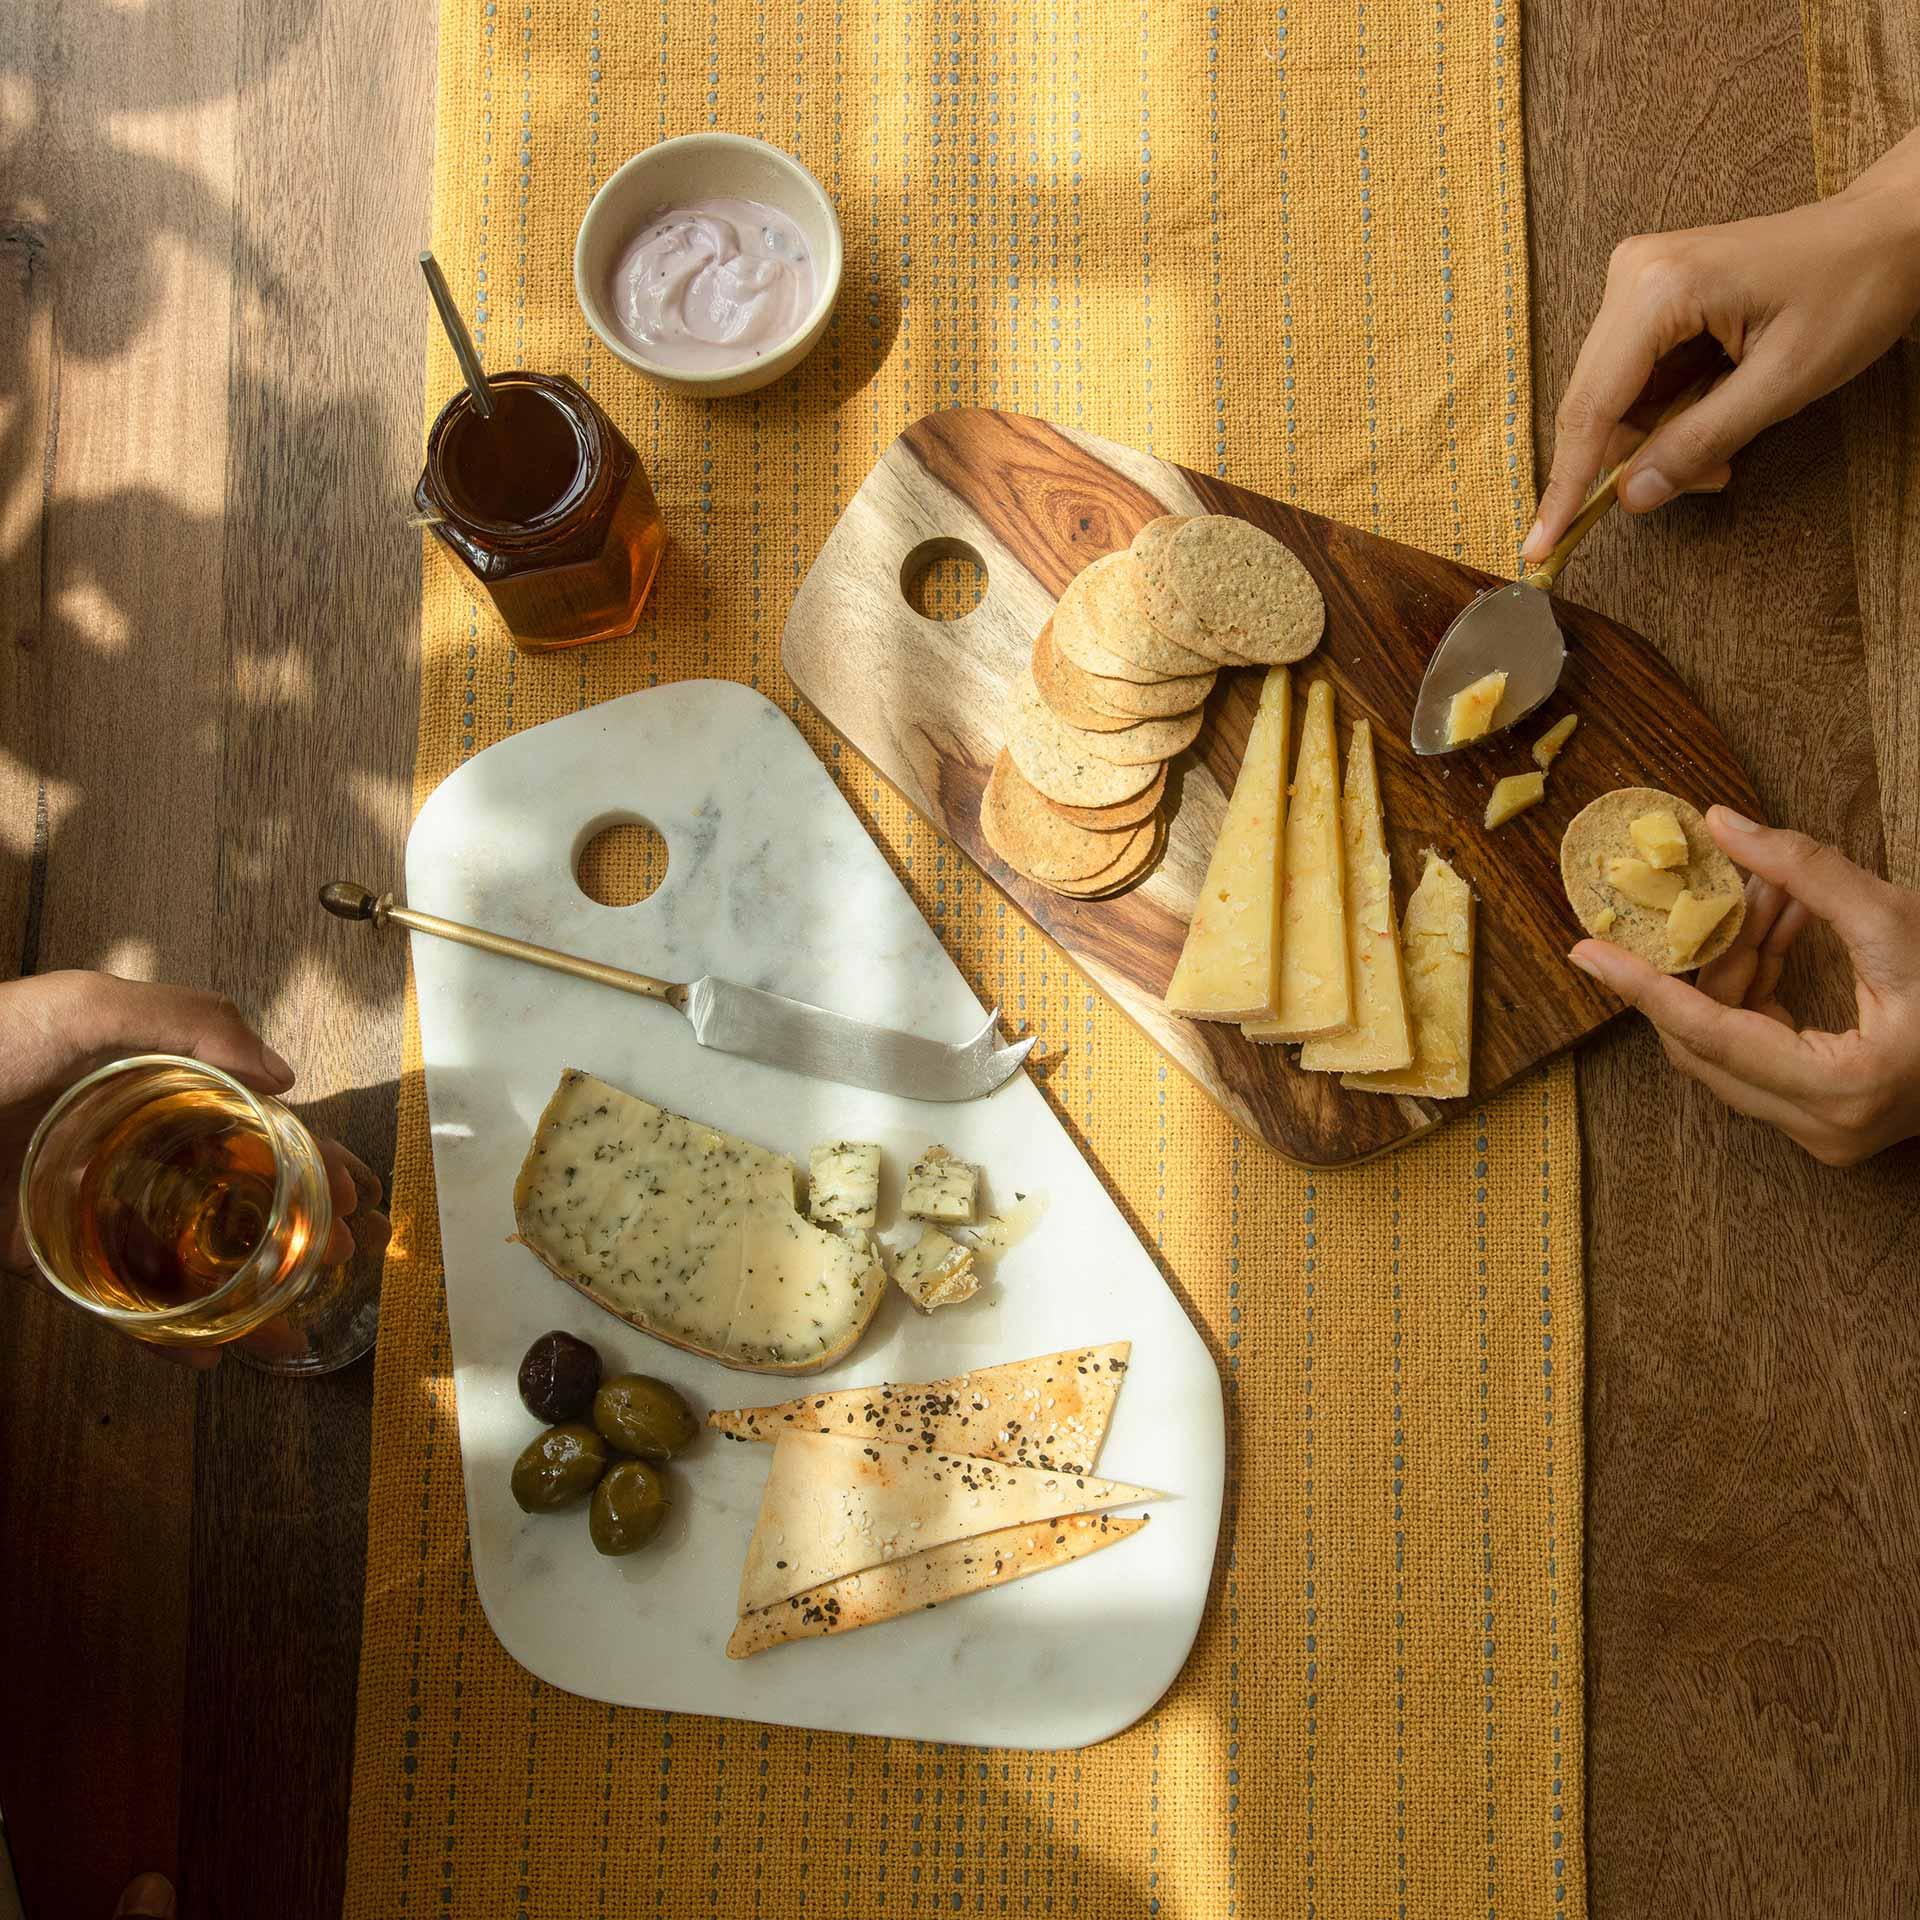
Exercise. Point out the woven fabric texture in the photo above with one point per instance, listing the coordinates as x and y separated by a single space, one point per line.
1281 243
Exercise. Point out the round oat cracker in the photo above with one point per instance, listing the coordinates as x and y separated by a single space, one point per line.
1121 701
1246 592
1148 740
1122 875
1598 833
1099 626
1124 813
1035 840
1157 602
1054 756
1062 685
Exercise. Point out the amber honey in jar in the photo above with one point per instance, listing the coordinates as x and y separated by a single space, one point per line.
548 506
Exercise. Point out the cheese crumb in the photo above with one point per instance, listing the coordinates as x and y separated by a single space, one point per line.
1514 793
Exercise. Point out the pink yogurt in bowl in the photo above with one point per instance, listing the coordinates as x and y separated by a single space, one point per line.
709 263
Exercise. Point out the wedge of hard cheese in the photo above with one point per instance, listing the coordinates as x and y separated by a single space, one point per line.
1051 1411
837 1504
1436 948
925 1579
688 1233
1381 1037
1229 968
1316 986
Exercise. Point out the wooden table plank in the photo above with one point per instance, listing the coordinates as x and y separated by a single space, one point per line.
1863 60
212 598
1753 1534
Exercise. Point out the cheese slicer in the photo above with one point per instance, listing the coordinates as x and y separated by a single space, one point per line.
731 1018
1511 629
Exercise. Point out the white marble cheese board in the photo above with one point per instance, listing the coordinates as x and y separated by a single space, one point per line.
771 880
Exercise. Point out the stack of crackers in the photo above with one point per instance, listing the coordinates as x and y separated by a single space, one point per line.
1116 688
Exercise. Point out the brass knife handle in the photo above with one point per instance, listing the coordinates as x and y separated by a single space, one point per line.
350 902
1547 571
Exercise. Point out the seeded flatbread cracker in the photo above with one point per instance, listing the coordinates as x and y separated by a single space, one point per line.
1055 759
923 1580
1049 1411
1147 740
1064 688
1120 702
1032 838
1598 834
1098 625
1244 591
1126 813
836 1504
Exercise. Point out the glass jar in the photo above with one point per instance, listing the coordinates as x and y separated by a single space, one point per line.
548 507
164 1197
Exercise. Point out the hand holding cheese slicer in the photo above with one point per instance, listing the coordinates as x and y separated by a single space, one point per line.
734 1019
1510 628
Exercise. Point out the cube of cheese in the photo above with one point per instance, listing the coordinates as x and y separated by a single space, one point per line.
1472 709
1645 886
1603 922
935 1271
1515 793
941 1187
843 1186
1555 737
1691 920
1660 838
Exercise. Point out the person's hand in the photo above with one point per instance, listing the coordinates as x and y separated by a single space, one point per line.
1842 1096
56 1027
1799 301
149 1897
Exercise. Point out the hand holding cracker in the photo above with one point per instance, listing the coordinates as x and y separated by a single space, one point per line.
1842 1096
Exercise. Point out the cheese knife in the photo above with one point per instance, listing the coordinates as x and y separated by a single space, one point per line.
1510 628
744 1020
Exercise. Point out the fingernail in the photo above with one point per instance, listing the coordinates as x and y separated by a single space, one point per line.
1586 966
1530 542
276 1065
1645 488
150 1897
1737 821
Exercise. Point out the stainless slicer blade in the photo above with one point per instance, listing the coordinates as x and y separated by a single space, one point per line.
1508 628
830 1046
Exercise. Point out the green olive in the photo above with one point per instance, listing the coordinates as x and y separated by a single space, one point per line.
643 1416
628 1506
559 1469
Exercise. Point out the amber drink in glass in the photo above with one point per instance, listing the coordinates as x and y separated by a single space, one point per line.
161 1195
548 507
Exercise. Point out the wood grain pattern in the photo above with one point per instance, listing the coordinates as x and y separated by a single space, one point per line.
1753 1499
926 702
211 332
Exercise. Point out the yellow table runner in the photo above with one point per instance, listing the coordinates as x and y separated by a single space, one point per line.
1282 243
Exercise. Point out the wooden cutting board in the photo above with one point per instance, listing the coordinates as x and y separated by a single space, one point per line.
927 702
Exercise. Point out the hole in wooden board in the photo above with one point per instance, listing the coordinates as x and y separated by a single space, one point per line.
621 864
943 579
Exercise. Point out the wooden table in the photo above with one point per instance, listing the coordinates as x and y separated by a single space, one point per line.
210 598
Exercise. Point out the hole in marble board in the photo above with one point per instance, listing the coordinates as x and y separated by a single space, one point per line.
622 864
943 579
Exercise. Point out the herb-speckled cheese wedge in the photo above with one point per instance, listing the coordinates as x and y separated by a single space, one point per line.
688 1233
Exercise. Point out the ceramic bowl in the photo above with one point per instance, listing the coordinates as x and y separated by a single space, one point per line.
675 173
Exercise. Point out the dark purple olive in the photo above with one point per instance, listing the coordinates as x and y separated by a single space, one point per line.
559 1377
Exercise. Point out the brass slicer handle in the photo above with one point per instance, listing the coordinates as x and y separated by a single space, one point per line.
348 901
1547 571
